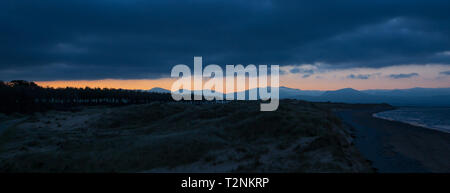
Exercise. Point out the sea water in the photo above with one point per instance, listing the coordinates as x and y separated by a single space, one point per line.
437 118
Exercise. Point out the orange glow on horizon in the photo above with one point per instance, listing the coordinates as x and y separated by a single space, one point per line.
428 76
132 84
305 84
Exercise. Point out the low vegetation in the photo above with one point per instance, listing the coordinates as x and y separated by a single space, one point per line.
180 137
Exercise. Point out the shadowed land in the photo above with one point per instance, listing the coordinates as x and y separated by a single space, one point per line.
177 137
108 130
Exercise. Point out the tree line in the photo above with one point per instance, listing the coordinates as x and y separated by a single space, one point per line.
25 97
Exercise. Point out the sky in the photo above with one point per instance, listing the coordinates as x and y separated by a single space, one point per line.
323 45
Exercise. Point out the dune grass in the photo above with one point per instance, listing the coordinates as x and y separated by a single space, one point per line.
165 137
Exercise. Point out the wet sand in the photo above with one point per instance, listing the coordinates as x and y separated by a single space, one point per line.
396 147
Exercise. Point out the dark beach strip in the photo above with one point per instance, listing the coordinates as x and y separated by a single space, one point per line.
396 147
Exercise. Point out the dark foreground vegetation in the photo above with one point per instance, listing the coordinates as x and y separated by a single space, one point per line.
180 137
26 97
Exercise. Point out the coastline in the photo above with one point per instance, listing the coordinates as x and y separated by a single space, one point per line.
394 146
410 123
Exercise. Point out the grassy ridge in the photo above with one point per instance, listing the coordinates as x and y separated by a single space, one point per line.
179 137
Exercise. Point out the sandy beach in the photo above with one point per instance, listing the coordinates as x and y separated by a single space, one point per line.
397 147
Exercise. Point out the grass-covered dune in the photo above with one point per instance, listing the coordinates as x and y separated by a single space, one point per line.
180 137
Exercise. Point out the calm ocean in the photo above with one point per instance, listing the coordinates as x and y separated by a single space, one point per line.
433 118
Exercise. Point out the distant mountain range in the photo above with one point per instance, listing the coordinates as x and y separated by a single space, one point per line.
398 97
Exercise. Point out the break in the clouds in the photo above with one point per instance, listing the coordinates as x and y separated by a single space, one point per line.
123 39
388 77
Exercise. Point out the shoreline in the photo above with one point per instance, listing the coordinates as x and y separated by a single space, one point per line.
409 123
394 146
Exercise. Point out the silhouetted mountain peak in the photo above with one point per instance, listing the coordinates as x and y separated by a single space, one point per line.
159 90
344 92
347 89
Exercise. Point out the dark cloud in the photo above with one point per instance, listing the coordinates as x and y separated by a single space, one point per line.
305 72
359 76
295 70
302 71
306 75
94 39
445 73
398 76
